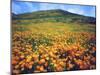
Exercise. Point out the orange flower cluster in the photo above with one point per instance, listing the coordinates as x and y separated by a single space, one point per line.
32 53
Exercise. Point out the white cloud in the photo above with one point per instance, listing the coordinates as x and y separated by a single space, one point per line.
31 6
47 6
75 10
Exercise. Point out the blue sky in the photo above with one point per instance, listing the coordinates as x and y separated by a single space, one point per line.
19 7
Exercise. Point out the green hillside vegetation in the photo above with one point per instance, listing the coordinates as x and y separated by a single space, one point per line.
53 16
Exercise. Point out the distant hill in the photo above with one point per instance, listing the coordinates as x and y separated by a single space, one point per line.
54 16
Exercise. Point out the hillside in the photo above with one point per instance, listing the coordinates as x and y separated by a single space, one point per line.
54 16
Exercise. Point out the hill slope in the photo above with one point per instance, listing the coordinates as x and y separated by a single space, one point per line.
54 16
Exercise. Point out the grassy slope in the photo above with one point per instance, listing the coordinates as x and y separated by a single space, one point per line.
52 16
56 27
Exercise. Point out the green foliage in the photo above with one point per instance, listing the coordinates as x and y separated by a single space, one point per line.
53 16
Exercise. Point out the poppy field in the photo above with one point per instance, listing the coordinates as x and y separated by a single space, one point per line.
53 47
